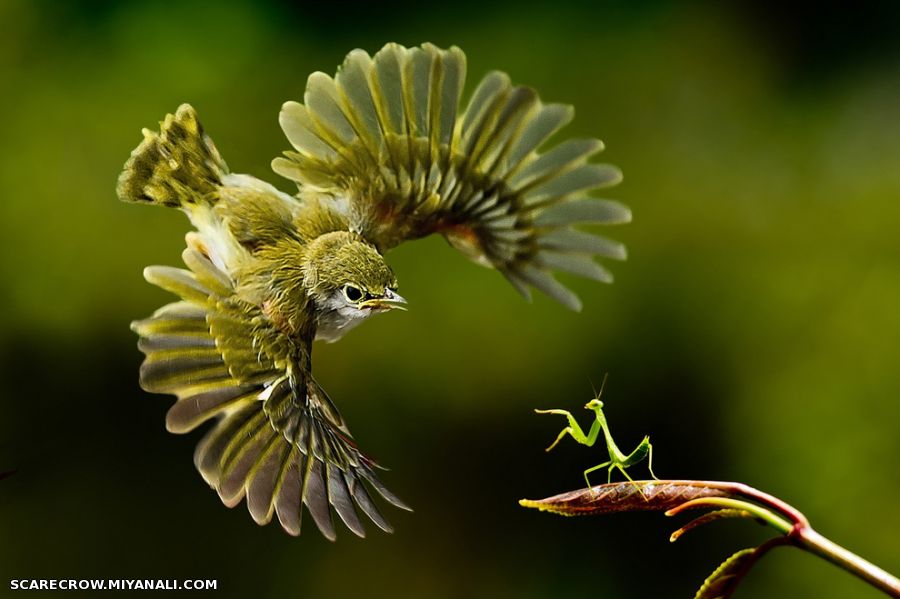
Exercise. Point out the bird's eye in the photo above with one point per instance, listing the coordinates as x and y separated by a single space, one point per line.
352 293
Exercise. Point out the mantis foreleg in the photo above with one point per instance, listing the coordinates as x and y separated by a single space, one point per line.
574 429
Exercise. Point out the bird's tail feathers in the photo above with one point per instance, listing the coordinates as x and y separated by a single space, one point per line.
176 167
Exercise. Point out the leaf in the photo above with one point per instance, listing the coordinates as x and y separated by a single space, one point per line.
646 495
724 580
709 517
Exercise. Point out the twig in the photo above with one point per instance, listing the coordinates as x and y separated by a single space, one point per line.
729 500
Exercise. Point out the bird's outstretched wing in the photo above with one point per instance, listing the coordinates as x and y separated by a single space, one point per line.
386 138
278 439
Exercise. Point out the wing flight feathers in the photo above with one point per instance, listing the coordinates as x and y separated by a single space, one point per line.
387 133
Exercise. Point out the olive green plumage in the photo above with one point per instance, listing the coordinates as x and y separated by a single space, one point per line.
382 154
182 166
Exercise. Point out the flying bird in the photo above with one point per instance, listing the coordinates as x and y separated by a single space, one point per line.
382 154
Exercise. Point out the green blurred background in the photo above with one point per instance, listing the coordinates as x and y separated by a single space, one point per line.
753 332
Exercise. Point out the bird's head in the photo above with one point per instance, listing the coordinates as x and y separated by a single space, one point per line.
349 281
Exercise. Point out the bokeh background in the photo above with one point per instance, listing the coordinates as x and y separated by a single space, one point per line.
754 331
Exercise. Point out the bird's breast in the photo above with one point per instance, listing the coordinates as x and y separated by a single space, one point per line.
334 324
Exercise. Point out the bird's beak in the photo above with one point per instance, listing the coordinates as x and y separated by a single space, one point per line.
390 301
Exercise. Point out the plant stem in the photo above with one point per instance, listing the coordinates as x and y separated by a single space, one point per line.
675 496
807 538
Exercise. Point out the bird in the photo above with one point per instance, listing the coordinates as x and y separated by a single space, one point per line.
381 153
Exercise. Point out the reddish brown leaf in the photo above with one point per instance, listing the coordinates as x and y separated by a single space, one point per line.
724 580
709 517
642 495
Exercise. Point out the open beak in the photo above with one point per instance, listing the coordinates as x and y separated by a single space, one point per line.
390 301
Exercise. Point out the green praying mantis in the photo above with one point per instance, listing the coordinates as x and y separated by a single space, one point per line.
617 459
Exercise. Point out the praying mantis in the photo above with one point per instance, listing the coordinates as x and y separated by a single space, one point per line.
617 459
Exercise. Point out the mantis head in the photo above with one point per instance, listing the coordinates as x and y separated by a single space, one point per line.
595 405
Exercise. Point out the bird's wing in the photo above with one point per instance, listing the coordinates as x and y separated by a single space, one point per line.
278 439
386 134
